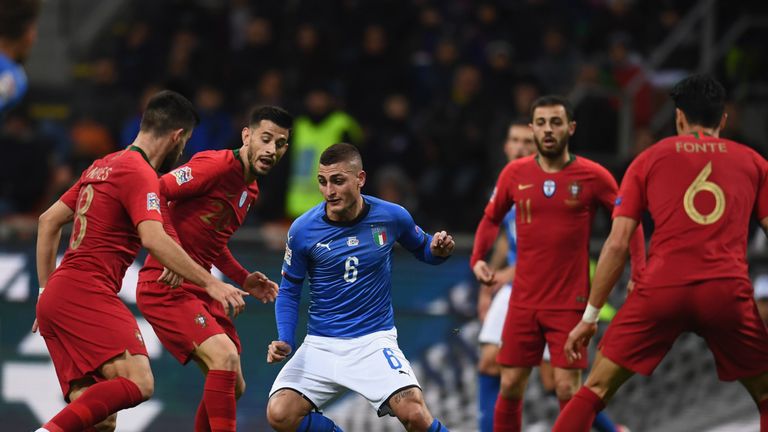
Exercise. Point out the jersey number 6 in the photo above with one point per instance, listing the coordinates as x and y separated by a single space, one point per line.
702 184
350 269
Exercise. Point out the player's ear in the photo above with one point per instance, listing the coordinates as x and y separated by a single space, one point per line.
177 135
680 120
571 128
361 176
245 134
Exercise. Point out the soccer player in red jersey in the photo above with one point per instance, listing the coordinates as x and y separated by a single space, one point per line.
700 191
209 197
556 195
93 338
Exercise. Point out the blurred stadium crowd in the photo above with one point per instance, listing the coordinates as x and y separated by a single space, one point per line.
425 88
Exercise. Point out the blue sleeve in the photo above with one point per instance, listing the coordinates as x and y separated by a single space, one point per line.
13 83
289 295
413 238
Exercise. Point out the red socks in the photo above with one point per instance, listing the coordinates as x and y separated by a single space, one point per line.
763 408
579 413
508 415
96 404
202 423
219 401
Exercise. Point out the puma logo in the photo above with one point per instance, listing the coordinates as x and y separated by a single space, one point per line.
324 245
403 372
524 186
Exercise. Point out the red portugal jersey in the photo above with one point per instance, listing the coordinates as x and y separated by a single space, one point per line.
208 200
700 192
110 199
554 221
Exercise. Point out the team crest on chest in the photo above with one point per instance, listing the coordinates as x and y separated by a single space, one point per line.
379 235
549 188
182 175
243 196
574 189
352 241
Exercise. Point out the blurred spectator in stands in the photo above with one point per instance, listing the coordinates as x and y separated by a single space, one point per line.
257 54
310 63
500 75
626 68
557 62
18 32
595 112
456 133
100 98
138 57
215 131
373 73
610 17
392 184
319 127
392 140
433 73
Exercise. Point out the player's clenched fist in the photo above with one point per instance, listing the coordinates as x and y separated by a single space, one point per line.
278 351
442 244
483 272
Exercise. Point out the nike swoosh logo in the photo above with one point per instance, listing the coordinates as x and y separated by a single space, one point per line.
524 186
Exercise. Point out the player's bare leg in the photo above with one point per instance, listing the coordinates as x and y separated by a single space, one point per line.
286 409
757 387
602 383
567 381
219 360
134 368
513 382
409 407
508 414
547 376
487 362
76 389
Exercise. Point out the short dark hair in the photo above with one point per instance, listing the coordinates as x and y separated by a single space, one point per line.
701 98
340 152
16 16
274 114
553 100
168 111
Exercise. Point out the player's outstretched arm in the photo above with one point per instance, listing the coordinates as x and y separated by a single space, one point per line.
610 265
48 237
171 255
228 264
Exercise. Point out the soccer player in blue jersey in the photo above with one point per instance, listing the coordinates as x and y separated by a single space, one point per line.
344 246
18 31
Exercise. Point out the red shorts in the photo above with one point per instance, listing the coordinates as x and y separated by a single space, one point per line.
527 330
721 311
183 317
84 326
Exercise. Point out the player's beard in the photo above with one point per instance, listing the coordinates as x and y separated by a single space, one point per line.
552 153
170 160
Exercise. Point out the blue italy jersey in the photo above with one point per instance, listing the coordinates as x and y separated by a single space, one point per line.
509 224
13 83
348 266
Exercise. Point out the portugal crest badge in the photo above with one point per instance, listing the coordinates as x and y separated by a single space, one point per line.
549 188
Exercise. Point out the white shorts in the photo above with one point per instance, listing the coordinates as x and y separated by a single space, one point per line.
493 325
371 365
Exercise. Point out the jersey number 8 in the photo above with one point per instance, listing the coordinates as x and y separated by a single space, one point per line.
84 200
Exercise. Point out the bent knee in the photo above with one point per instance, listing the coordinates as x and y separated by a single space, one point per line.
565 390
145 383
107 425
415 417
282 417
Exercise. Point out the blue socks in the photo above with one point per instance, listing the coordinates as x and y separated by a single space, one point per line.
487 391
316 422
436 426
603 424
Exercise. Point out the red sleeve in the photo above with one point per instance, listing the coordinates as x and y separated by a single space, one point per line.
69 198
141 195
761 205
632 199
167 223
193 178
231 267
501 201
608 196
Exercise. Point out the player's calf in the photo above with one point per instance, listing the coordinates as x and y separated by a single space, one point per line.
409 407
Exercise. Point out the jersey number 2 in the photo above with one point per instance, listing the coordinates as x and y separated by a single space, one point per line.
350 269
84 200
701 184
